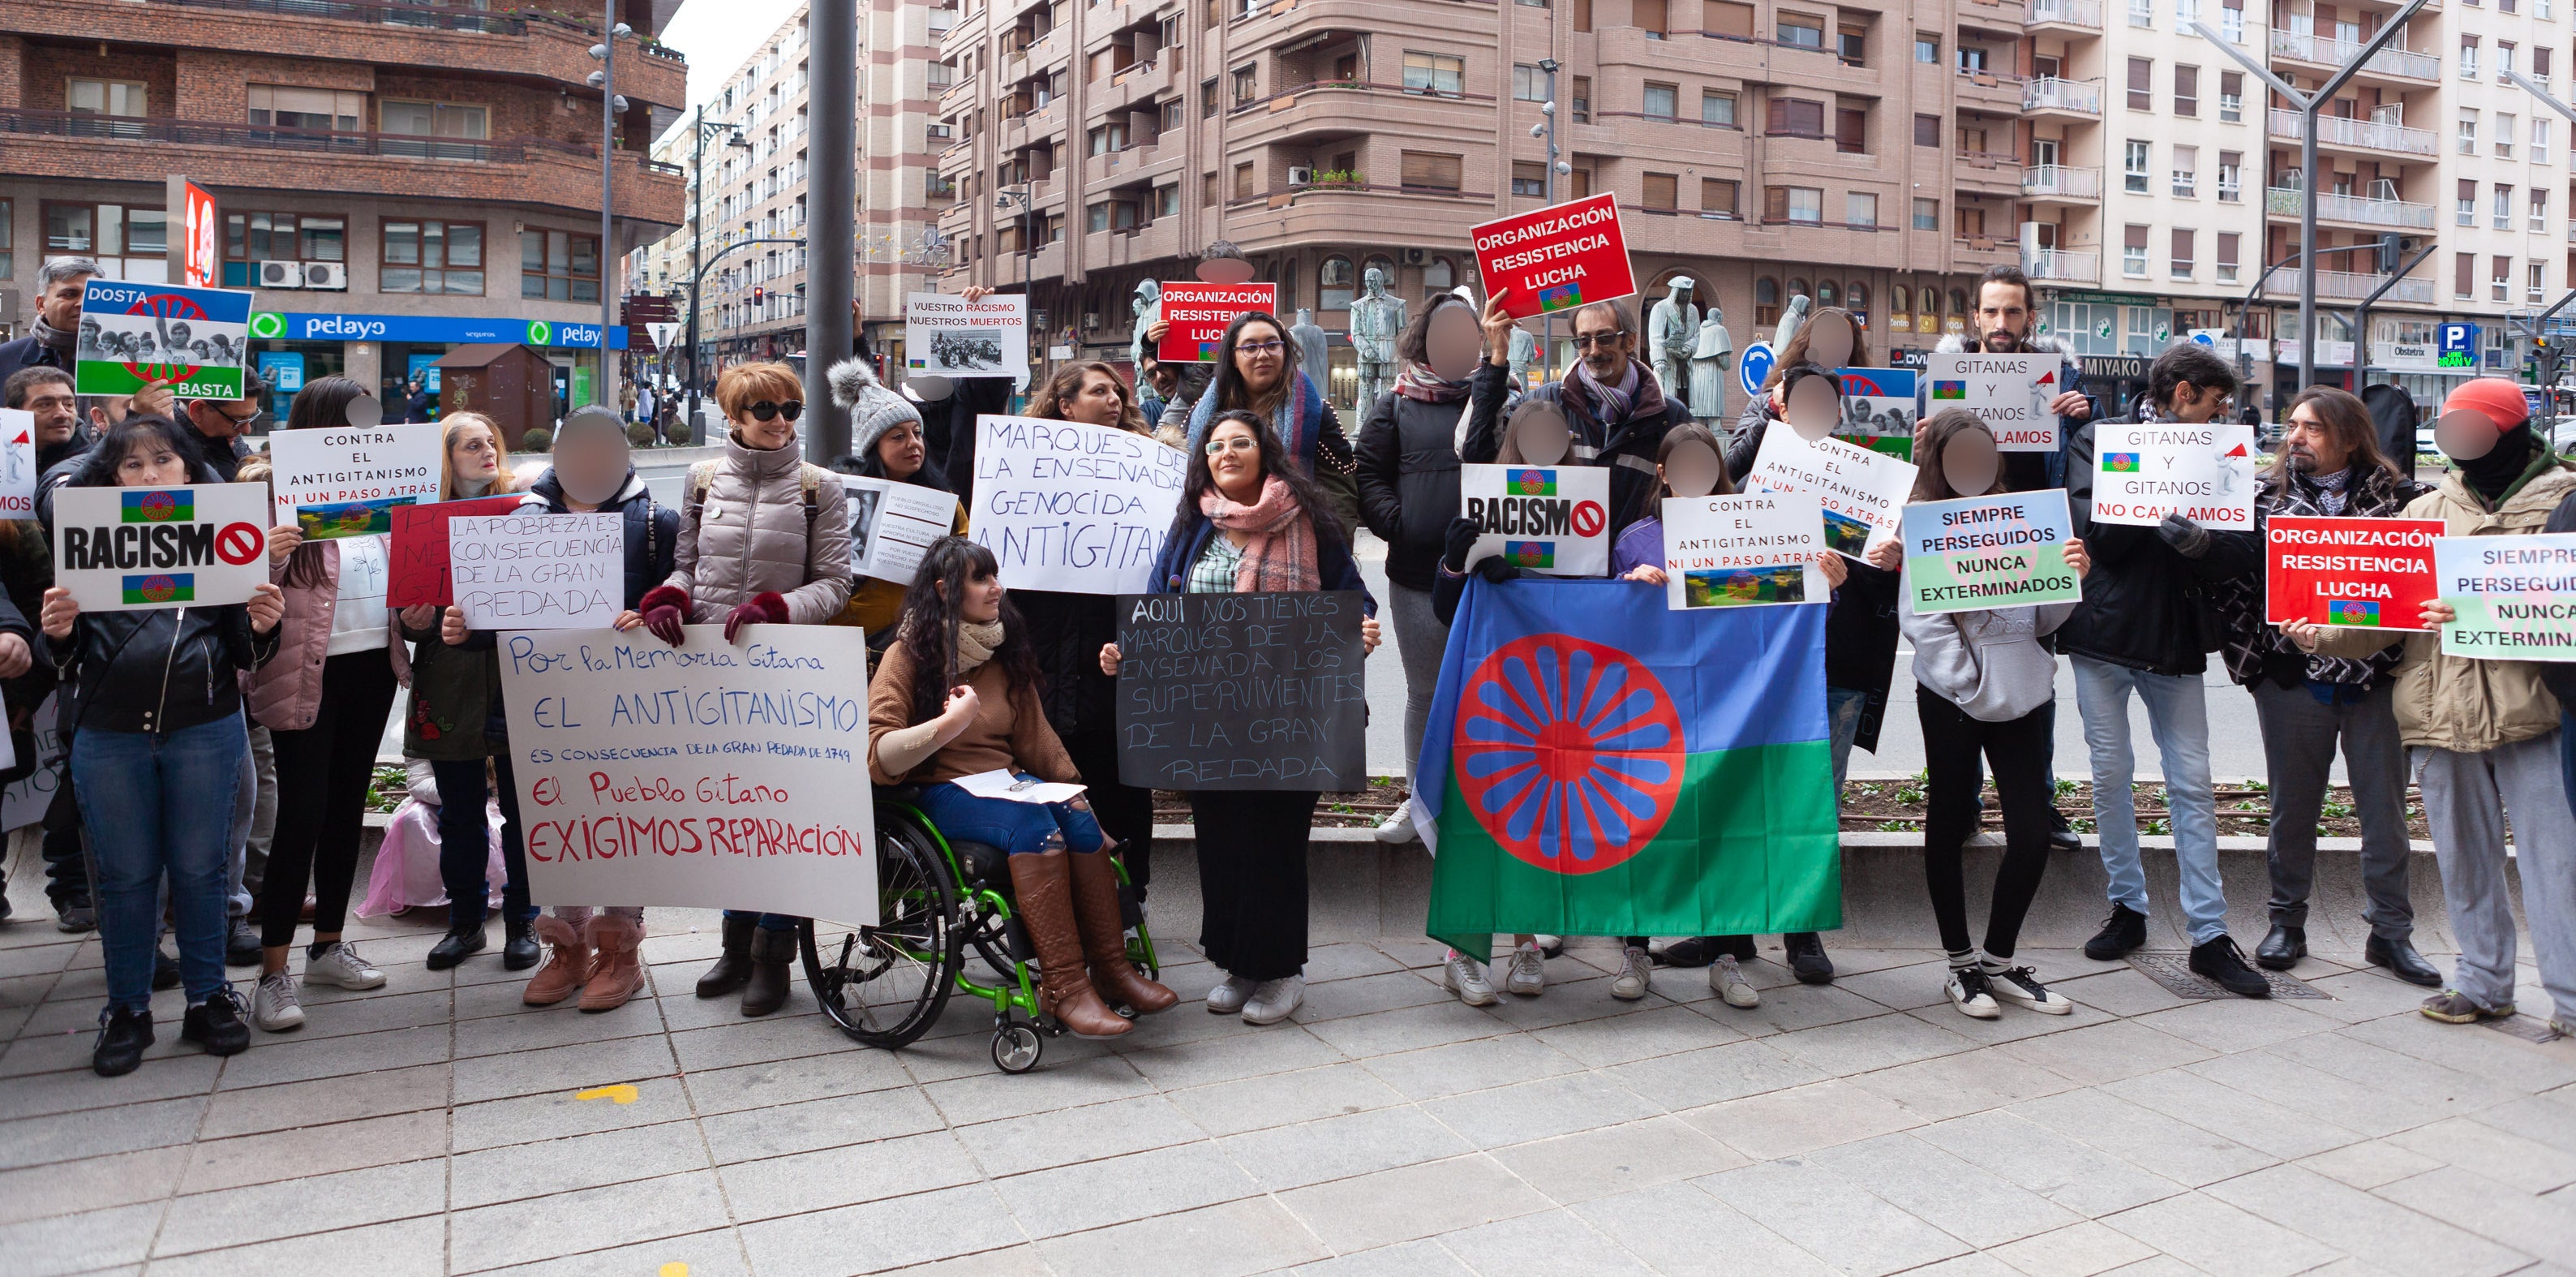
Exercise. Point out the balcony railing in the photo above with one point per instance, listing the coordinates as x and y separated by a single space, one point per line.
2282 201
2320 50
2079 13
2335 130
2350 286
2052 93
2059 180
426 16
201 133
2062 264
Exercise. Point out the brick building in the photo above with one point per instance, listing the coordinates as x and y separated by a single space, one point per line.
425 176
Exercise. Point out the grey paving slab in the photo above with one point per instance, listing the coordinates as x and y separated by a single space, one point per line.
1678 1228
1256 1235
1541 1245
539 1228
1607 1161
288 1208
1846 1226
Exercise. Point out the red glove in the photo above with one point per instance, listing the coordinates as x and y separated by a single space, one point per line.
665 609
767 607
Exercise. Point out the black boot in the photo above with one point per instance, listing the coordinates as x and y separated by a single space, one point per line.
733 966
2124 930
2399 956
123 1036
462 941
2061 835
216 1024
520 950
771 951
2282 949
1807 957
2223 963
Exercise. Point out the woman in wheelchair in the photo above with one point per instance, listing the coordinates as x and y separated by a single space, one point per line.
957 694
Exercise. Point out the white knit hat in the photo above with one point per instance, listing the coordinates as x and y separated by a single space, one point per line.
873 409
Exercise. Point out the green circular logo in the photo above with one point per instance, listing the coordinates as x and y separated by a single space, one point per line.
540 333
267 324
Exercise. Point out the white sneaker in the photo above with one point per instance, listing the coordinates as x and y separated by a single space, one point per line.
273 1006
1229 997
1465 977
1726 977
1528 976
1636 975
1273 1000
1398 827
2023 989
340 965
1970 993
1551 946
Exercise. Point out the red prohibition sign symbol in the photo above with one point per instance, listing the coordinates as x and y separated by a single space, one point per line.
1588 518
239 543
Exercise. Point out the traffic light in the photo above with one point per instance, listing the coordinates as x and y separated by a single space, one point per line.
757 293
2392 253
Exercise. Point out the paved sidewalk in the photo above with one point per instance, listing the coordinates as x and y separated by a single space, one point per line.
437 1126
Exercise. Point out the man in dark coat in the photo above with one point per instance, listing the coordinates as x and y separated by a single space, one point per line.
53 343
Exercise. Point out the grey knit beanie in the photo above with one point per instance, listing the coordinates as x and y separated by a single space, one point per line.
872 407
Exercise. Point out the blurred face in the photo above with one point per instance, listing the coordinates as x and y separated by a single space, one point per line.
1260 357
1690 470
899 450
2003 315
1234 460
1813 408
151 463
474 454
1453 342
1832 344
1099 401
1969 463
1542 438
1604 348
2465 435
591 465
2308 447
56 409
62 303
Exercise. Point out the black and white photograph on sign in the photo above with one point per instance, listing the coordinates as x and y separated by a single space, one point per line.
154 339
945 336
892 525
955 350
863 517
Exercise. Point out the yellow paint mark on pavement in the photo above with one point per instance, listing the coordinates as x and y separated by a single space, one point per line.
674 1269
622 1093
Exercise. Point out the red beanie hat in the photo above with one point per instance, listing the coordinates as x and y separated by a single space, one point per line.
2495 398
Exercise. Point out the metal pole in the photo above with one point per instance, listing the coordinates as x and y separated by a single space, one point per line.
1547 353
609 284
2361 318
830 267
697 263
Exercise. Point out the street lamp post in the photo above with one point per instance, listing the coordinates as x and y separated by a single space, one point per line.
610 107
831 267
697 245
1547 109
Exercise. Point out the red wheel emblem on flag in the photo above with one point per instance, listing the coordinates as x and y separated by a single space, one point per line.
1568 753
166 306
1587 518
239 543
158 589
158 507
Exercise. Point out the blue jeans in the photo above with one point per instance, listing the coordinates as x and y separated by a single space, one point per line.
160 804
1842 716
1017 828
465 840
2178 715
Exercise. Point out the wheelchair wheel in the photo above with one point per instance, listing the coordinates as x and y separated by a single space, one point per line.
1016 1048
886 985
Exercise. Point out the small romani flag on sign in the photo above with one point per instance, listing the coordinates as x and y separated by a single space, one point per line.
156 506
162 587
1560 297
2119 463
1532 483
1950 390
2352 612
1530 554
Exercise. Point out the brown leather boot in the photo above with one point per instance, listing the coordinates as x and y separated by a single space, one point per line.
733 966
1104 937
771 951
1042 895
567 963
618 971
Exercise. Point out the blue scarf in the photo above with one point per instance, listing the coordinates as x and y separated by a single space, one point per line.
1297 423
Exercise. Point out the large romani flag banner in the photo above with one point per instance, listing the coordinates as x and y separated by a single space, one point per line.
1598 764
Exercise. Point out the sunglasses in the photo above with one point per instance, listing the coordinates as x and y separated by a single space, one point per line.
1588 340
767 411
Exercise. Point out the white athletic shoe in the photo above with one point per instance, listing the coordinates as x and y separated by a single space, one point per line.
1528 976
1273 1000
340 965
1228 997
1398 828
1636 974
1465 977
1970 992
1726 977
273 1006
2023 989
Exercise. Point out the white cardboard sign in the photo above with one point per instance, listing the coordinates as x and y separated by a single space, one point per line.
17 464
2143 471
345 482
892 524
1552 520
537 571
1071 507
1861 492
131 549
2010 393
1750 550
946 336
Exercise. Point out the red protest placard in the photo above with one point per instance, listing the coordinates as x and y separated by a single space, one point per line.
1557 258
2371 573
1195 316
419 548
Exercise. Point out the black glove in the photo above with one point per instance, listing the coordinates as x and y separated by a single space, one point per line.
1496 571
2189 539
1458 543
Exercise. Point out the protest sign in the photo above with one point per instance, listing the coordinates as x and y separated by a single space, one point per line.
1242 691
346 483
418 549
2010 393
1742 551
1989 552
2515 597
1555 258
1860 490
195 338
1553 520
1070 507
2144 471
948 336
1195 316
1879 409
29 797
892 525
17 464
125 549
2375 573
708 775
538 571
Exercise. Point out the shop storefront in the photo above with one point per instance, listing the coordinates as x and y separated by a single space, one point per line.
387 352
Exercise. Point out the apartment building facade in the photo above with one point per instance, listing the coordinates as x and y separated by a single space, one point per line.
394 180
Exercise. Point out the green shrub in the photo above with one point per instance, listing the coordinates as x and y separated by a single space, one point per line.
678 433
538 440
640 434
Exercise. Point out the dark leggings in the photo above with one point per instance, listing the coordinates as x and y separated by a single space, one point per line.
465 843
2018 752
1125 812
322 775
1252 879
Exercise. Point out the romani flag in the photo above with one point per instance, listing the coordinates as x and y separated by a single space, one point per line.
1602 765
161 587
2119 463
156 505
1531 483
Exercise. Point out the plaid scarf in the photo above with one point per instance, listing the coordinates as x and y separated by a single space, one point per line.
1298 421
1281 553
2254 648
1418 382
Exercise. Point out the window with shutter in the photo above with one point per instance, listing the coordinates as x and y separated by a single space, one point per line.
1717 197
2187 91
1650 17
1927 130
2227 257
1243 181
1431 170
1775 204
1851 131
1796 117
2142 92
1582 15
1662 191
1579 184
1725 17
2464 275
2182 263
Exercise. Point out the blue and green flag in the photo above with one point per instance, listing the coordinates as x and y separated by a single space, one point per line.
1598 764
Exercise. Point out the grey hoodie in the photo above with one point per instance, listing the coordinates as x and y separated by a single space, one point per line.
1988 662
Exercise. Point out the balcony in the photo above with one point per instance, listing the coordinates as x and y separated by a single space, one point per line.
2326 51
2059 182
2280 201
2062 266
2351 286
2086 14
2358 135
2052 95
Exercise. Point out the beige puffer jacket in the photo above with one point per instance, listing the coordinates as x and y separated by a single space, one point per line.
2453 702
751 536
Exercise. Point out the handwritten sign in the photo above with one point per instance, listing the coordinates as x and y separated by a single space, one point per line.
130 549
1556 258
705 775
1879 409
131 333
1989 552
17 464
1552 520
892 525
952 337
2010 393
1070 507
1242 691
346 483
1743 551
2144 471
1859 490
538 571
419 548
2373 573
1195 316
28 798
2515 596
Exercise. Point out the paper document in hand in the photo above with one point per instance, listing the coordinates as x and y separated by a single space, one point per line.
1004 785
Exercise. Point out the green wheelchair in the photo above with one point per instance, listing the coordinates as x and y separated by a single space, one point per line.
886 985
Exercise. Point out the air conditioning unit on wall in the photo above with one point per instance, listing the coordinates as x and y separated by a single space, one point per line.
281 274
331 275
1301 177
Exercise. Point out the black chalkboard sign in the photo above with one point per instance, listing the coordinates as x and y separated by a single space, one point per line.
1242 691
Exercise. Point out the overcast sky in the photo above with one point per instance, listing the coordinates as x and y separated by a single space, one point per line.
716 35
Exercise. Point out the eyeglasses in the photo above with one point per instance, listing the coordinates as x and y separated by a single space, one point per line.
767 411
1235 443
1261 347
1586 341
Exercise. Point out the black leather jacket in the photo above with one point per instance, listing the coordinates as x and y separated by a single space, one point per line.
158 671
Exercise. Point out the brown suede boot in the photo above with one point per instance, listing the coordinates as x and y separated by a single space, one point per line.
567 963
618 971
1042 895
771 952
1104 938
